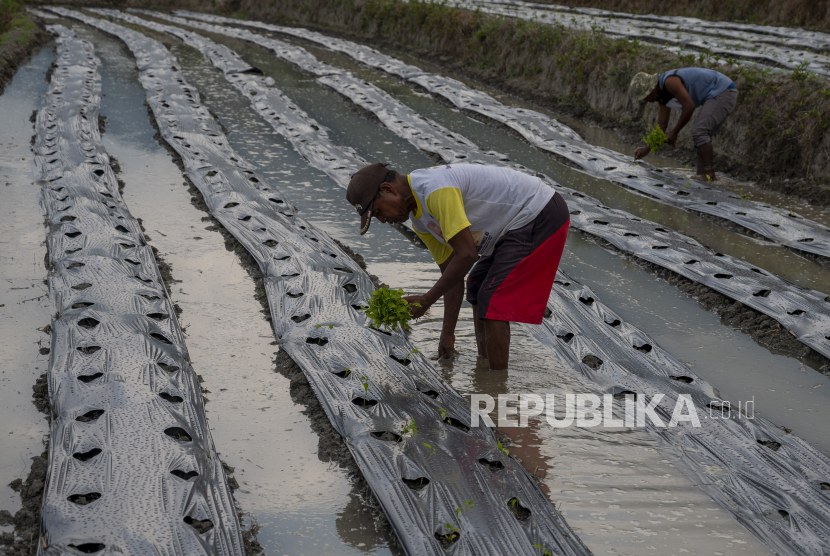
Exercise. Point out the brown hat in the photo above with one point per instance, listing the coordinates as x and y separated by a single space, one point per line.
363 188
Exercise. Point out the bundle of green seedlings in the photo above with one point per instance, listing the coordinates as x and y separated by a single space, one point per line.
656 139
388 309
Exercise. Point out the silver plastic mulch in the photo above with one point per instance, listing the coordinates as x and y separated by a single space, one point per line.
132 466
441 481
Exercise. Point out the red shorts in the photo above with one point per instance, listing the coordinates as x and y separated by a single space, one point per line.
514 282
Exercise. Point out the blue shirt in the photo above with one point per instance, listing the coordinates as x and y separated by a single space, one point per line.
701 84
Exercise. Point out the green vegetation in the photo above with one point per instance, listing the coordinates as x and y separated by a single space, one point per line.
387 308
13 18
656 139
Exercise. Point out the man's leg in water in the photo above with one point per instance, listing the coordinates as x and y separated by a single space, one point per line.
497 343
481 332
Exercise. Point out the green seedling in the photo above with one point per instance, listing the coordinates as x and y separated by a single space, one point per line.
365 382
542 549
410 427
387 308
656 139
443 413
466 507
503 450
743 196
321 325
687 184
346 373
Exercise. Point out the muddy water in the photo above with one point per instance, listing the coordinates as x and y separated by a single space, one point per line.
304 505
776 259
582 468
24 303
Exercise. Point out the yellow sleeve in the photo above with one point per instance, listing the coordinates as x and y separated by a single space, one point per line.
438 250
447 207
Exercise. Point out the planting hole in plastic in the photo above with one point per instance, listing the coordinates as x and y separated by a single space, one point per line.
431 393
84 499
86 456
90 416
403 362
317 341
824 486
122 229
83 286
364 403
88 350
624 394
566 337
448 539
89 378
645 348
301 318
178 433
82 305
386 436
684 379
771 444
548 312
762 293
722 276
351 288
170 397
88 322
75 265
614 323
186 476
88 547
166 367
587 300
795 312
457 424
592 361
72 234
294 295
416 484
493 466
158 316
201 526
160 338
517 509
270 243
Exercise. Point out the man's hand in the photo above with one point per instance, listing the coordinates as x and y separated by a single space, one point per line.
418 312
671 137
641 152
446 346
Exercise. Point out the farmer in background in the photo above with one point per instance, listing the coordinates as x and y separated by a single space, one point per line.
686 89
508 227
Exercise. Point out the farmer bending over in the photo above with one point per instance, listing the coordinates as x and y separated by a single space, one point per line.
686 89
508 227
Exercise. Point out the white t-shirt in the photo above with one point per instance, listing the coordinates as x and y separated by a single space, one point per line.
494 201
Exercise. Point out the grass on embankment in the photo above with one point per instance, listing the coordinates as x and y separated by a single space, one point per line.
778 129
19 36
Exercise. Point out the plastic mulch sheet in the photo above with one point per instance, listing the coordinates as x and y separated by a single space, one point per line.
743 462
132 466
440 481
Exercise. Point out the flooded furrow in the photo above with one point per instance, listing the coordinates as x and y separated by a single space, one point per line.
128 430
25 308
288 487
302 263
733 211
262 96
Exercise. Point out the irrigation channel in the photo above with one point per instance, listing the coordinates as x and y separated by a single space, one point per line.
628 489
773 47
